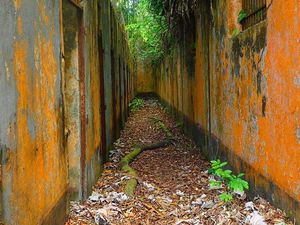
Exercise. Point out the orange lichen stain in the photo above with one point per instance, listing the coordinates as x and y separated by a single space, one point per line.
283 101
93 138
40 175
43 12
25 144
200 84
20 25
17 4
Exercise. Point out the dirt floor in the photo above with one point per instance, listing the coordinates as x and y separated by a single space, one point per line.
173 183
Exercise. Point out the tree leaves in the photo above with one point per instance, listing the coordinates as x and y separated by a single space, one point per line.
147 29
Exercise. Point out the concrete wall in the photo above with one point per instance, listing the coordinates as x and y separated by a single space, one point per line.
34 163
94 43
54 57
145 80
72 95
82 95
239 96
119 70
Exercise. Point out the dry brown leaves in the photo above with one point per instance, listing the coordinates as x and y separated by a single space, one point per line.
173 184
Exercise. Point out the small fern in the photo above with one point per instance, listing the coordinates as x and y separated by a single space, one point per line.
215 165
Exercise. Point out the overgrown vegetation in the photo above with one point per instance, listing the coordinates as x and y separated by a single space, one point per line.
234 183
235 32
147 30
151 25
136 104
242 15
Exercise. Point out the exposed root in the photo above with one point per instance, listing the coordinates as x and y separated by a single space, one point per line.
161 144
127 159
132 182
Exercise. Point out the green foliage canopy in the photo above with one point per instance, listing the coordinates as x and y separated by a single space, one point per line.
147 29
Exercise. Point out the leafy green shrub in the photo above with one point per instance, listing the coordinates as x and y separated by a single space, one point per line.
235 183
136 104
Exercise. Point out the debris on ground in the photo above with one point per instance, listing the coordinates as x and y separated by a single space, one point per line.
173 183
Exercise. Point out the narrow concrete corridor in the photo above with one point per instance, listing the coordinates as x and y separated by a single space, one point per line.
173 183
225 120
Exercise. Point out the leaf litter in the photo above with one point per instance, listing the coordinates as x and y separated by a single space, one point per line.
173 184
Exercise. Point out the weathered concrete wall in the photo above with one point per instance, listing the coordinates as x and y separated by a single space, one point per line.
93 159
82 95
34 165
239 96
106 40
145 80
94 42
72 95
119 71
55 58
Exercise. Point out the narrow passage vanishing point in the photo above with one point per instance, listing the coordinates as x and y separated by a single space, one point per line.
172 182
228 73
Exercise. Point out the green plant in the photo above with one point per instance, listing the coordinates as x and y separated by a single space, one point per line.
189 146
235 32
242 15
216 165
136 104
235 183
147 30
226 197
215 184
155 120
